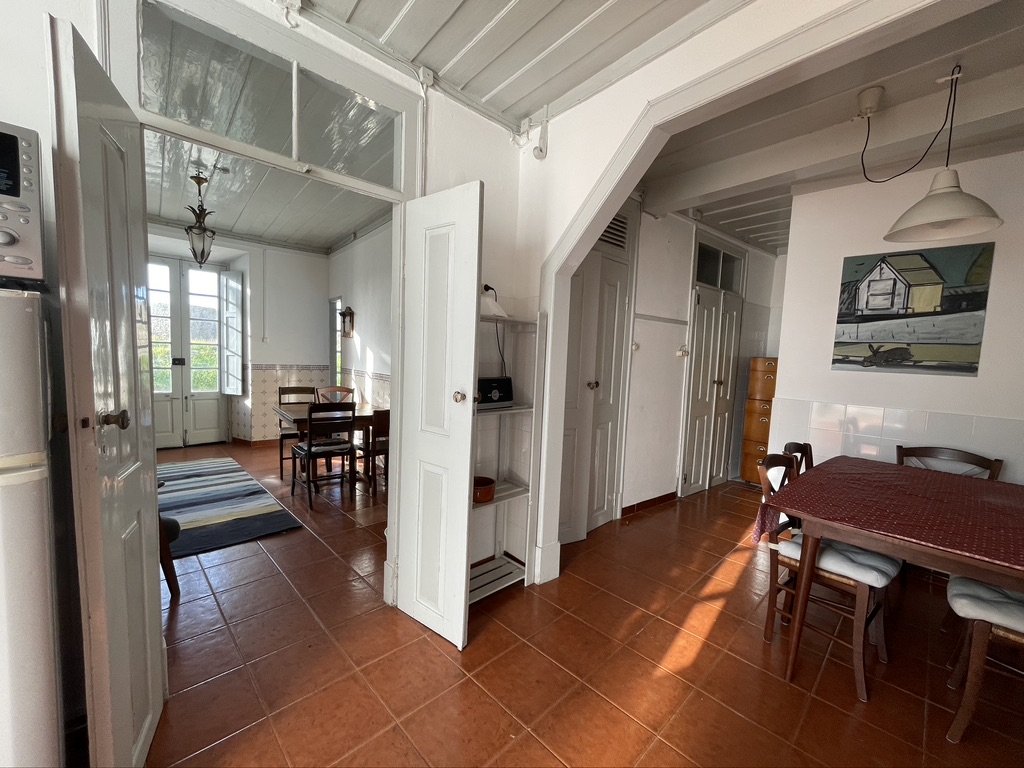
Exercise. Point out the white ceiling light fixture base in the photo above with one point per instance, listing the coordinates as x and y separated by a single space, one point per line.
946 212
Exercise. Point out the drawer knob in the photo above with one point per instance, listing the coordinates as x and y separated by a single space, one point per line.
766 407
764 421
769 377
769 364
761 449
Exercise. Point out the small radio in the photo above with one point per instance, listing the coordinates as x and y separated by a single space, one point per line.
21 225
493 392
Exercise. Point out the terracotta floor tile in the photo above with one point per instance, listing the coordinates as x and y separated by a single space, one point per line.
255 746
737 600
286 539
344 602
186 725
675 649
255 597
320 576
391 748
487 639
201 658
661 755
300 554
411 676
374 634
613 616
830 735
376 582
228 554
645 592
368 559
525 682
183 565
748 644
238 572
526 752
522 611
485 728
576 646
186 620
193 586
286 675
351 540
324 727
584 729
978 746
706 619
567 591
640 688
709 733
273 629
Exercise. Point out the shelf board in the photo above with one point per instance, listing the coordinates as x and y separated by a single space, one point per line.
514 408
506 490
507 320
487 578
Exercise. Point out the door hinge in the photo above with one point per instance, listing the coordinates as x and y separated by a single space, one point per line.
698 297
184 437
684 478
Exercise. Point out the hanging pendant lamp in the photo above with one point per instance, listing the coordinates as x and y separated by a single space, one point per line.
946 212
200 237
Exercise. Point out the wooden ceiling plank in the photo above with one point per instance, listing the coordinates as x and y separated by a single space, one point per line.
471 22
375 17
417 25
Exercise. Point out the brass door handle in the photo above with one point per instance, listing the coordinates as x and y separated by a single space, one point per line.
458 397
120 420
592 385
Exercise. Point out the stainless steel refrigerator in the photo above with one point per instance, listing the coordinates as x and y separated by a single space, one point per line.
30 726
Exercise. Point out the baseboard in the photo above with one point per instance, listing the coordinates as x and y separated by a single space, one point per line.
254 443
640 506
546 562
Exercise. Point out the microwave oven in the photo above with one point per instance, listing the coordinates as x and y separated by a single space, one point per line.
21 225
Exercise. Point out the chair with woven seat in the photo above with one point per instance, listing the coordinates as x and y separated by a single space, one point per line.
330 433
840 567
991 612
803 453
335 394
290 396
949 460
379 445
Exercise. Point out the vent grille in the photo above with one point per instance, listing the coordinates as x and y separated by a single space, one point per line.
615 233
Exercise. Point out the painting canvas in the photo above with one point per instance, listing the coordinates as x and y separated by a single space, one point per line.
920 311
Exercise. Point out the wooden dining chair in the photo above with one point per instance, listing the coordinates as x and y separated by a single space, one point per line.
949 460
290 396
335 394
379 445
330 434
842 568
803 453
991 612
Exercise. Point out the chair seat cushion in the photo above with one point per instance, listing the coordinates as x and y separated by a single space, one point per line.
974 600
329 446
847 560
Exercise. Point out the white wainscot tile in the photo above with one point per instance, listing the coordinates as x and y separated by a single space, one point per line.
863 446
906 426
864 420
998 438
792 417
827 416
952 430
825 443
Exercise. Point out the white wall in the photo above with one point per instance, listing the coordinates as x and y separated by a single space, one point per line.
868 412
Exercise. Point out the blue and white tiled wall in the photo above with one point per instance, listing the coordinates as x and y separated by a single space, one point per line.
835 429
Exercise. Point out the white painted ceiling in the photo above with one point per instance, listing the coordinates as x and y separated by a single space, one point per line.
508 59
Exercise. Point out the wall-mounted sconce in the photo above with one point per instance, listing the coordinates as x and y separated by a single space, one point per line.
348 322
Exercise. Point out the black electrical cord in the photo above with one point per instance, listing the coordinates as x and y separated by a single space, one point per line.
497 340
954 75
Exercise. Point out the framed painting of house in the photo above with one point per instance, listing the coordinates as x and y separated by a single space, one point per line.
920 311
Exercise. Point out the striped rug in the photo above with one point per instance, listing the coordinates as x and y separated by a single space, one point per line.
217 504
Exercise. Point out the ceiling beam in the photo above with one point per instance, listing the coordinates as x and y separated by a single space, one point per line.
988 109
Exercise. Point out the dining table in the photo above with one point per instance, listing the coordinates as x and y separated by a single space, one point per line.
297 414
968 526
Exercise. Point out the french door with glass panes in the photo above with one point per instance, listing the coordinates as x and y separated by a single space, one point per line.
184 305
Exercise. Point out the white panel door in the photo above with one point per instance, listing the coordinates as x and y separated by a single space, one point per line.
579 401
726 361
700 410
441 308
102 242
607 388
165 344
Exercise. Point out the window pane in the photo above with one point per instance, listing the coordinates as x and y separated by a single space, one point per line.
201 282
708 261
159 304
159 277
732 273
203 331
205 381
344 131
202 76
203 307
203 356
161 380
161 355
160 329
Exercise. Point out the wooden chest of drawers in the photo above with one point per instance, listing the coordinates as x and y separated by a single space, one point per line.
758 418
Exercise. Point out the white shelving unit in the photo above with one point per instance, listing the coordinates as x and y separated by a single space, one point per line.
503 531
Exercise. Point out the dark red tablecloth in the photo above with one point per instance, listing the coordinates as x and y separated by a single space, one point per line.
982 519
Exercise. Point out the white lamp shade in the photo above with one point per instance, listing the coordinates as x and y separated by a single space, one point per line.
946 212
490 307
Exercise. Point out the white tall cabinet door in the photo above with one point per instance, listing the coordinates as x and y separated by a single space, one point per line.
441 308
700 419
607 389
726 360
102 242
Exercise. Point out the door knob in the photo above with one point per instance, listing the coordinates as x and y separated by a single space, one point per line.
458 397
593 384
121 420
719 382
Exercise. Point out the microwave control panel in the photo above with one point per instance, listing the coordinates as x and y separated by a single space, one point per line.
21 225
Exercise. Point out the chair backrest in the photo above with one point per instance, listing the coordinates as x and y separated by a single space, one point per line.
286 395
380 427
335 394
775 471
949 460
329 421
804 455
